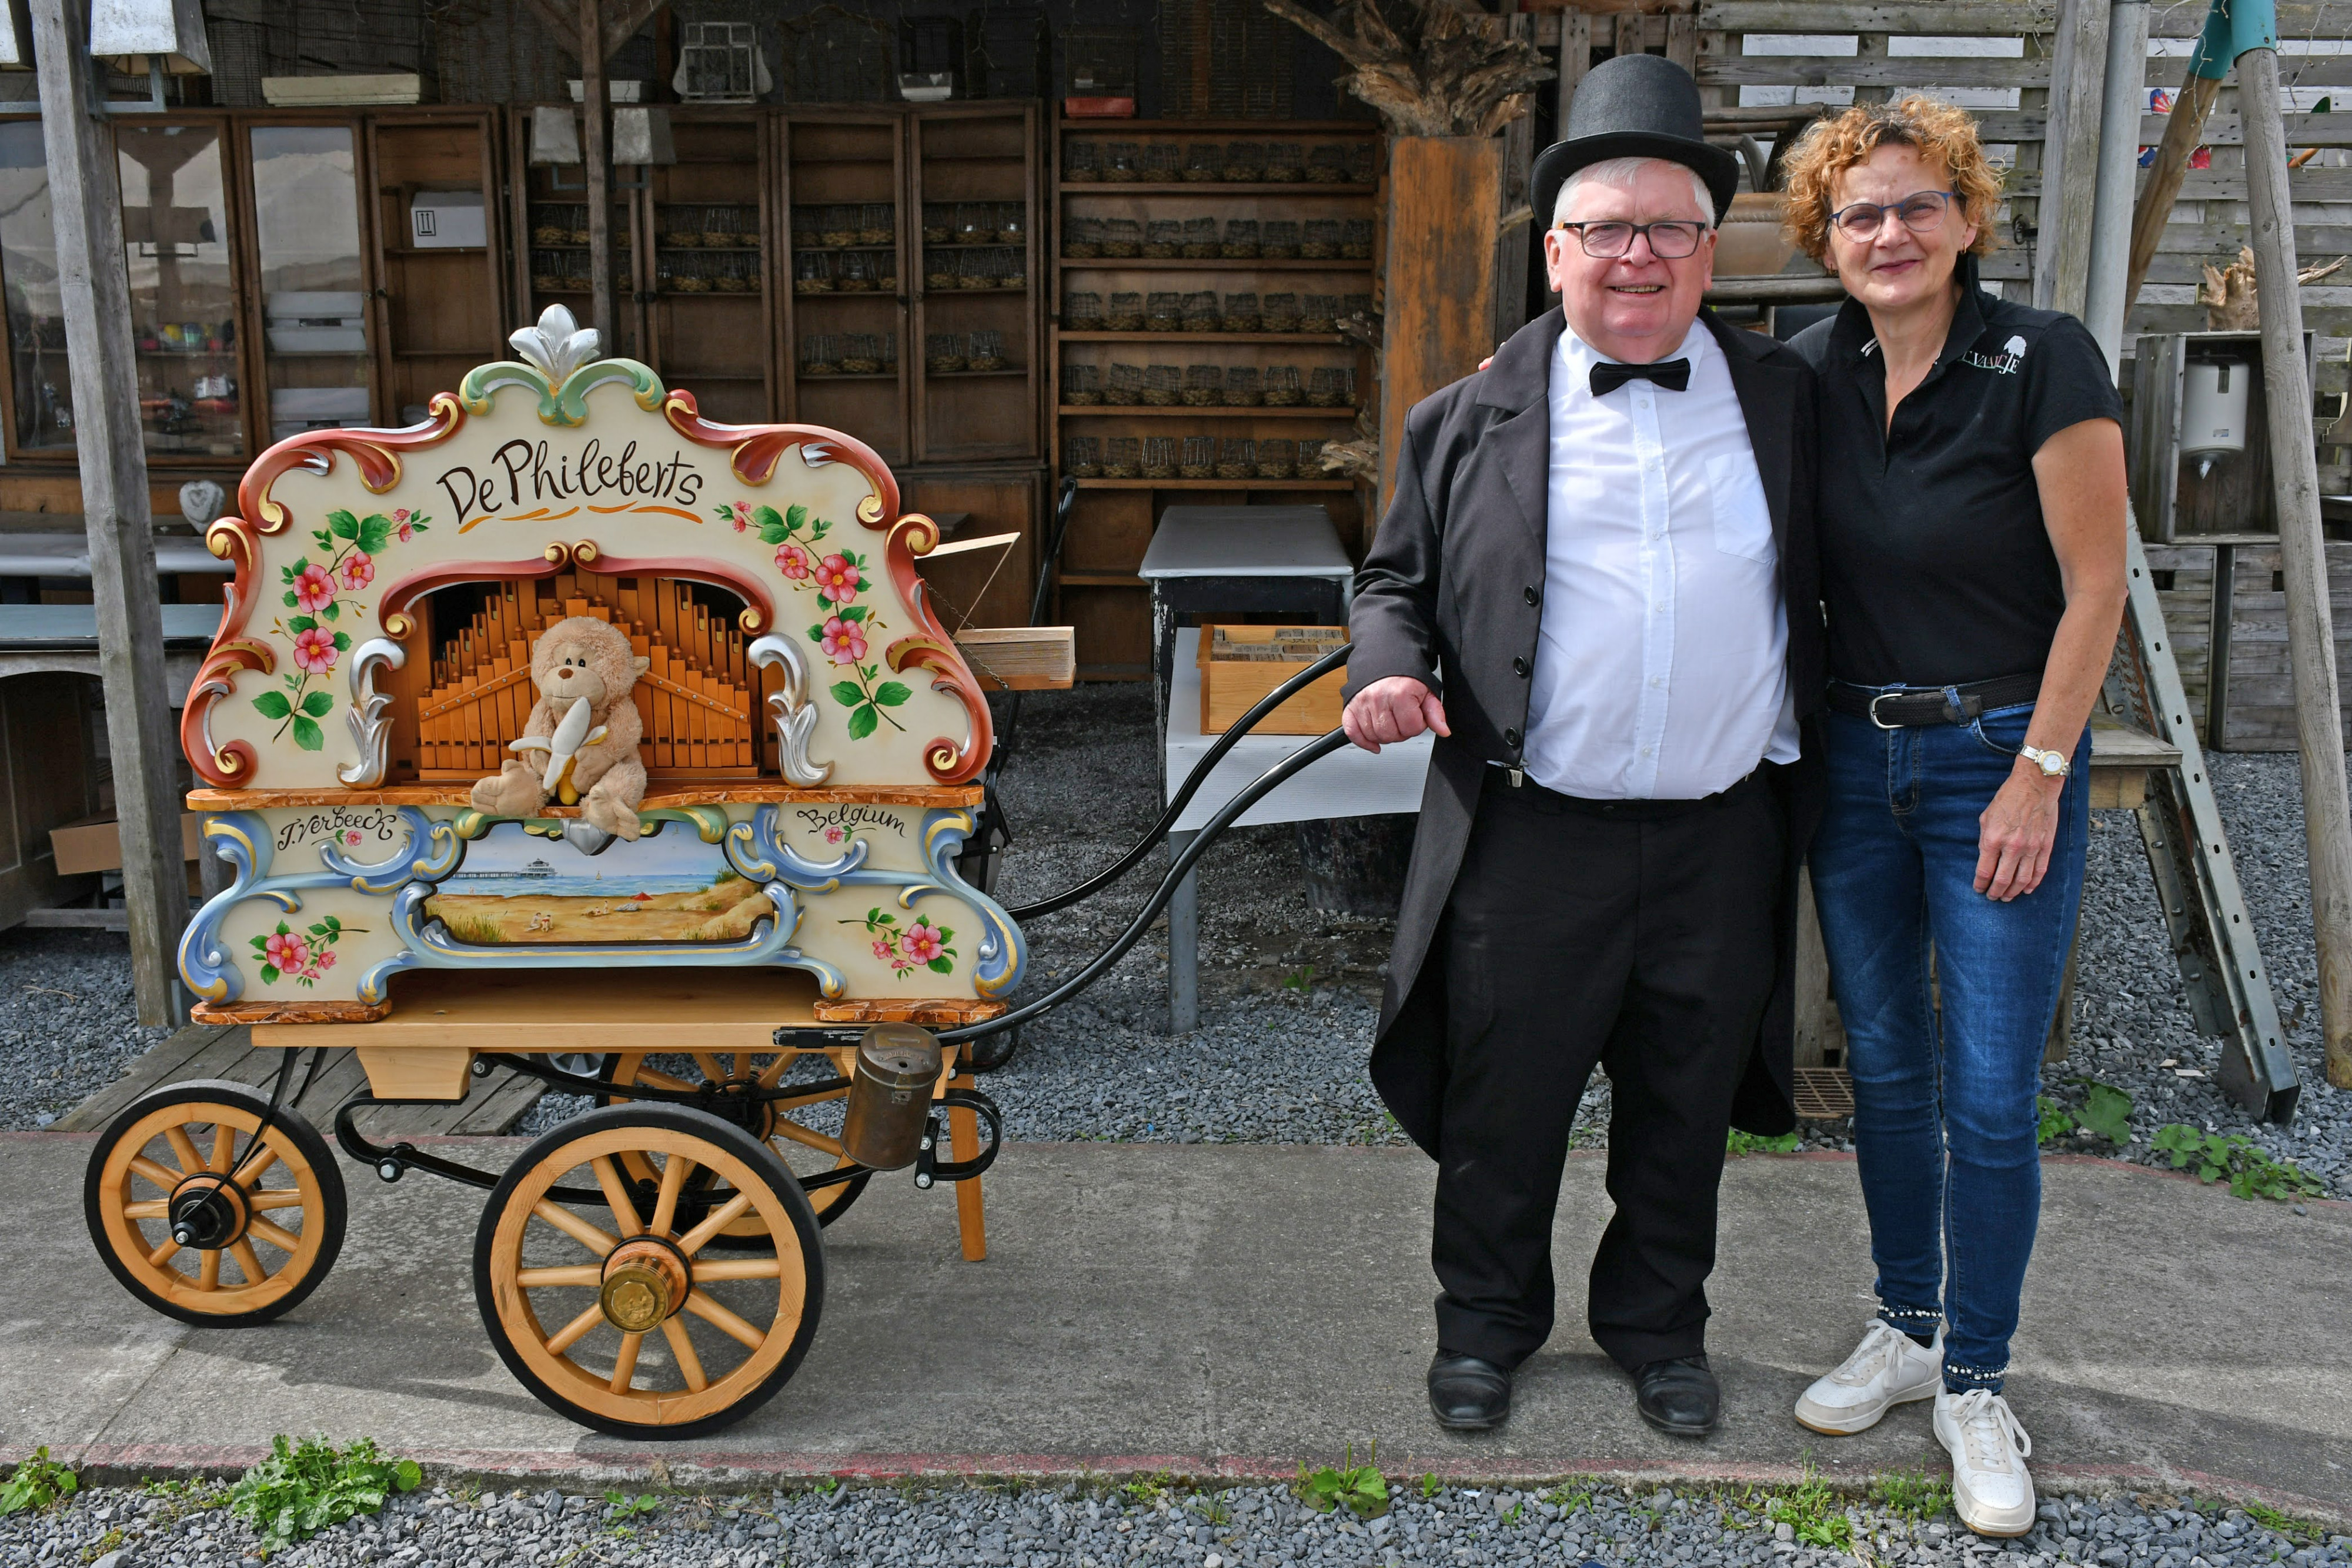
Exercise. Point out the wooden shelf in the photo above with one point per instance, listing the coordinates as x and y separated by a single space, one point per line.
1215 484
1311 339
1265 128
1211 411
975 375
931 295
1099 579
1205 264
809 378
1207 187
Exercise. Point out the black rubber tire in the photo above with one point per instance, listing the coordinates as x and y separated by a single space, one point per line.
728 1137
828 1204
334 1206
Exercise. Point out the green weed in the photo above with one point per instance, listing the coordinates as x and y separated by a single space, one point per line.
1301 980
1811 1510
1360 1487
2245 1164
2270 1519
1148 1489
303 1489
40 1482
1430 1486
1569 1495
2106 1111
105 1543
2056 1121
1740 1142
1915 1494
183 1498
1211 1506
625 1507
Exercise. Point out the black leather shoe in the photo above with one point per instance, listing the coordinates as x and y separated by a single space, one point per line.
1467 1394
1679 1396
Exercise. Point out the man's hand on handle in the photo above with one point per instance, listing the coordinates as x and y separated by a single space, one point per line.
1393 709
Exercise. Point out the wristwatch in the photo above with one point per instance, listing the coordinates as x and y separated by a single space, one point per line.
2053 764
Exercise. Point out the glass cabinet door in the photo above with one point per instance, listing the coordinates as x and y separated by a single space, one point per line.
42 389
183 309
306 202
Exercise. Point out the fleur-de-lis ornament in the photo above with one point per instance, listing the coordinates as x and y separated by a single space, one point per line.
558 346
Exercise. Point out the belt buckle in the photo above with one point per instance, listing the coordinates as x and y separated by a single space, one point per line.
1875 701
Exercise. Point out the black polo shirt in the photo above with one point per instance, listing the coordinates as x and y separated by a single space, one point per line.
1936 566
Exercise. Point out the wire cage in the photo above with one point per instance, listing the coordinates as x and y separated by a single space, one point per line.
1159 165
1122 457
735 272
837 228
1245 162
864 353
929 48
1163 311
1200 238
1285 164
1082 456
1162 238
554 223
1008 51
973 223
821 354
1357 305
878 224
1010 268
557 271
988 350
1081 386
1081 161
1204 386
1241 313
857 272
1240 241
1160 457
678 226
944 354
1279 313
1328 163
1236 457
1198 458
938 267
980 268
1099 62
831 56
1200 313
1082 312
1163 386
1123 237
1322 239
939 223
1082 239
680 272
1125 313
1011 223
1242 389
1310 457
1356 239
1223 59
1123 385
1332 386
1204 160
1122 163
1281 385
1277 458
719 63
1319 313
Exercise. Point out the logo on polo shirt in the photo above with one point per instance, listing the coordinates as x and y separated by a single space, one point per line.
2005 364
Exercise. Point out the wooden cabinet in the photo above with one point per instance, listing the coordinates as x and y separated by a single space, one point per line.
709 297
845 354
1162 237
975 186
440 299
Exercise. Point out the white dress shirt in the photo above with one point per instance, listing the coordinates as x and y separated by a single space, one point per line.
1661 666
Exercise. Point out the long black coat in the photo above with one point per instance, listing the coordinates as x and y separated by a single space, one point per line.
1453 583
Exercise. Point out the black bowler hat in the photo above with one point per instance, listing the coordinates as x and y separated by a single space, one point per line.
1635 106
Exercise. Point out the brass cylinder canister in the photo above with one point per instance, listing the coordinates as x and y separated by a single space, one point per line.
890 1095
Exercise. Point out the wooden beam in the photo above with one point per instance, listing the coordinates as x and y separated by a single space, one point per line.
595 155
2183 127
2070 157
86 209
2311 639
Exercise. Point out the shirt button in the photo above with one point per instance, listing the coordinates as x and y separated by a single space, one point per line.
1646 751
1531 595
1520 665
1511 738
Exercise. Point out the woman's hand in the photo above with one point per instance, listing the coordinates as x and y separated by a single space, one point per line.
2015 834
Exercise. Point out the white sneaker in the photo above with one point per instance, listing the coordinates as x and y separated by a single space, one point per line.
1886 1369
1990 1489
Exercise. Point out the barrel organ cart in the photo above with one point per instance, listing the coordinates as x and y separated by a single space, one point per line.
572 731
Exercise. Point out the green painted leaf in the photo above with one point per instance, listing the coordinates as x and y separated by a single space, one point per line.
774 533
816 633
291 600
768 517
299 623
307 734
319 705
855 613
862 721
343 642
890 694
940 966
795 516
273 705
345 526
945 935
270 973
375 532
846 694
326 541
332 610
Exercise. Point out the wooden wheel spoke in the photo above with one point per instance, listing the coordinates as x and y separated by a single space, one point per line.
616 1195
653 1078
814 1097
284 1240
151 1172
735 1328
224 1149
164 1254
209 1269
184 1149
690 1365
589 1274
715 1269
788 1128
625 1365
274 1197
579 1229
673 1182
248 1261
571 1334
155 1209
773 1073
718 1220
709 1061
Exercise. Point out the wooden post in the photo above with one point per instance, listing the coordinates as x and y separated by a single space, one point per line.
86 206
2182 131
595 155
2311 642
2070 157
1444 197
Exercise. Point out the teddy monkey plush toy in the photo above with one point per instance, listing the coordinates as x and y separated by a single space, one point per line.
580 747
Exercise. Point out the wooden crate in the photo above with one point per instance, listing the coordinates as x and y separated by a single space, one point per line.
1240 665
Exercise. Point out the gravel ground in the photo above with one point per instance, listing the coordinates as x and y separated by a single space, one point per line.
1071 1526
69 1025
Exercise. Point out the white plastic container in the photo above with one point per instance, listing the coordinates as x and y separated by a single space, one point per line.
2213 411
446 220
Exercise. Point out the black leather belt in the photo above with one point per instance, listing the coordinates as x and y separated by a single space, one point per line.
1905 709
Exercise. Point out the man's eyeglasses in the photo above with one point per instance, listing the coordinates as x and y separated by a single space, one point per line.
1607 239
1920 212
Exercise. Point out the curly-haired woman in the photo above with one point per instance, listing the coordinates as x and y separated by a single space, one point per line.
1972 569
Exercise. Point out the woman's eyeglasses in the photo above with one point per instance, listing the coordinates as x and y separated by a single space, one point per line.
1920 211
1607 240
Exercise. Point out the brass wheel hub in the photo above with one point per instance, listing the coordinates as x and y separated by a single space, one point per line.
646 1280
208 1212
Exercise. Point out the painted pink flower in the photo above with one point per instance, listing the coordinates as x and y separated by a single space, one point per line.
358 571
740 514
406 530
287 953
792 562
844 640
401 514
326 959
882 948
314 650
352 837
313 589
900 965
834 835
920 943
836 577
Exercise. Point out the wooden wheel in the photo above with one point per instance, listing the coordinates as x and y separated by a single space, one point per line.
262 1224
623 1323
806 1151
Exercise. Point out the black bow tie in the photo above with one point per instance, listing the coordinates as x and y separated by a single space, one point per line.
1608 375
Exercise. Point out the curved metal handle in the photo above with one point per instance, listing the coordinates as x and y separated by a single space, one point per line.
930 1167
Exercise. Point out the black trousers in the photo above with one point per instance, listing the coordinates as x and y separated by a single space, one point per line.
1638 934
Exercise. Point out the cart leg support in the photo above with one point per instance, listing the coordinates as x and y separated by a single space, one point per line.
963 1142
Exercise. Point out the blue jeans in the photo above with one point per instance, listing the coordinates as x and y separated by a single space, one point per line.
1944 1124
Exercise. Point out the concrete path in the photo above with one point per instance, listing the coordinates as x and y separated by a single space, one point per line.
1227 1309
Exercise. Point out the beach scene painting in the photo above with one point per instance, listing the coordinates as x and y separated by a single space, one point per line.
518 887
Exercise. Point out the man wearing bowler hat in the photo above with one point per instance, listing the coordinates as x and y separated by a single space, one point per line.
1596 582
